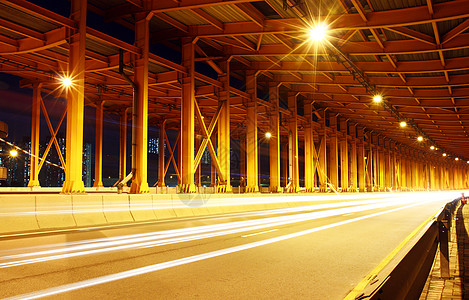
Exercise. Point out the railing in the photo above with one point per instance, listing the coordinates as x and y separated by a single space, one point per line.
405 276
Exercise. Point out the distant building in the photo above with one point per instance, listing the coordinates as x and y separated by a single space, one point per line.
18 168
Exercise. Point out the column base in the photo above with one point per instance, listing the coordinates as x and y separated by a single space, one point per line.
323 188
353 189
33 183
139 188
73 187
187 188
252 189
275 189
98 184
224 189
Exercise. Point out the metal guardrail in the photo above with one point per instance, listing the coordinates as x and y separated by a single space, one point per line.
405 276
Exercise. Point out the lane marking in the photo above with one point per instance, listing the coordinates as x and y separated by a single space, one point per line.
347 214
257 233
182 261
368 278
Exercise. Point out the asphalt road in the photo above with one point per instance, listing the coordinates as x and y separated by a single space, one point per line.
319 253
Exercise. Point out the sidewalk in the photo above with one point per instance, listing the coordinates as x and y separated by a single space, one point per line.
457 286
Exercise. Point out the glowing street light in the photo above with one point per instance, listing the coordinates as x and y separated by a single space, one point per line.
318 32
268 135
377 98
457 158
420 138
13 153
432 147
403 124
66 81
444 154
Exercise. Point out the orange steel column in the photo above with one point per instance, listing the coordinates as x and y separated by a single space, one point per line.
75 101
224 128
142 32
213 169
344 160
98 150
274 141
309 149
161 164
198 142
361 159
252 173
334 153
387 165
322 154
409 170
374 163
293 144
123 145
403 171
369 166
35 129
353 159
284 163
187 118
242 162
381 162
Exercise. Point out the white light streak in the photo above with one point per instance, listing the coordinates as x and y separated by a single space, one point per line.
182 261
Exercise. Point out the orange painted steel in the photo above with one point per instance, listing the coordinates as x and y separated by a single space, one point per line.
76 101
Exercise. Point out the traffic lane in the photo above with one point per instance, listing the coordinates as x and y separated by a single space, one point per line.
211 244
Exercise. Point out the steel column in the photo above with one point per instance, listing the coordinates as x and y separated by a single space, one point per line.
344 157
123 145
353 159
35 132
98 149
322 154
274 141
293 145
252 173
187 118
334 153
142 33
309 149
224 128
361 160
75 101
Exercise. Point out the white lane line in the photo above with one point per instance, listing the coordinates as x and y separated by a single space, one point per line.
257 233
182 261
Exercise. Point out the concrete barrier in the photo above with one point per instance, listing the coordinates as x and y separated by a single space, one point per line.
88 210
141 207
18 213
54 211
163 207
117 208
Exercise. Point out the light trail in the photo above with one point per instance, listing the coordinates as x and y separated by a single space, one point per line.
184 235
156 205
186 260
176 232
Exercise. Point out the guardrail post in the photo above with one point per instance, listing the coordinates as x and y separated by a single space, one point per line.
443 235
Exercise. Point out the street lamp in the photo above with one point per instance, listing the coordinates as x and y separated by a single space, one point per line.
13 153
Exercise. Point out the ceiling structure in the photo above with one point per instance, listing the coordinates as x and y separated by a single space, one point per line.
414 53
